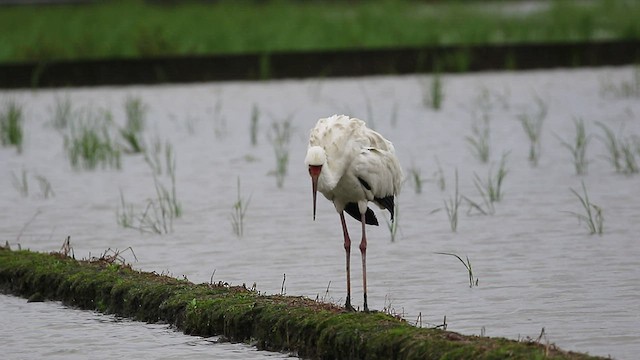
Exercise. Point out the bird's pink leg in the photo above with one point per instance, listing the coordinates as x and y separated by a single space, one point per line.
347 249
363 251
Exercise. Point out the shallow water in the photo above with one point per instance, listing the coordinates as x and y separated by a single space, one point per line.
537 266
53 331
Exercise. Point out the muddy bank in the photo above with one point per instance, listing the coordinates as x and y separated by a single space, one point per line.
316 64
298 325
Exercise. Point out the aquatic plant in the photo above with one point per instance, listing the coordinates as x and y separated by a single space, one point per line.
11 125
432 91
490 190
592 216
621 150
89 143
21 184
479 140
46 190
532 125
416 177
153 156
623 89
473 281
255 116
62 112
280 136
135 111
452 205
438 175
239 211
578 148
159 212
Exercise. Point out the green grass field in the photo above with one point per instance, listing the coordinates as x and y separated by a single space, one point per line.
124 29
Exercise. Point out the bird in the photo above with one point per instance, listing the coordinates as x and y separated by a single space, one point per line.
352 165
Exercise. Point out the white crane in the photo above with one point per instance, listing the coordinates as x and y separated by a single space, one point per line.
351 165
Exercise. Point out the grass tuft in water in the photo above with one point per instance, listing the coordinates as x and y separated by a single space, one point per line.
62 112
452 205
239 212
490 190
432 91
416 179
11 125
473 281
255 117
479 140
20 183
578 147
624 89
592 215
89 143
621 150
280 136
532 125
136 112
46 190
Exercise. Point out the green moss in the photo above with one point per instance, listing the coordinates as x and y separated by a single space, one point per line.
283 323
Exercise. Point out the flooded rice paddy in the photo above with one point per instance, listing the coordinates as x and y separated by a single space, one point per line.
537 265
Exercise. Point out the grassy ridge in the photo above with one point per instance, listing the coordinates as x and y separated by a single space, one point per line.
122 29
308 328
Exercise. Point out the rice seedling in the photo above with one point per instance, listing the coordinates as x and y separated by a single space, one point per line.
11 125
153 156
432 91
46 190
490 191
62 113
89 142
592 216
479 140
21 184
578 148
532 125
159 212
255 116
438 176
135 111
219 120
125 214
417 180
624 89
629 157
280 136
473 281
239 211
452 205
620 150
610 140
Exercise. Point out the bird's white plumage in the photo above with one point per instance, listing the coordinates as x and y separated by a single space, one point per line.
352 152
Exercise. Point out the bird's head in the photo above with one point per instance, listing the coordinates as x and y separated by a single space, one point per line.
315 159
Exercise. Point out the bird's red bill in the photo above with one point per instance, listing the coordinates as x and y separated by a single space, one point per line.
314 171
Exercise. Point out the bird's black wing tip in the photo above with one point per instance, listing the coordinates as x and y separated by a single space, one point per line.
369 216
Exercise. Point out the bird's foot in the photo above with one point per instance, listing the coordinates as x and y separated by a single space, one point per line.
366 308
348 306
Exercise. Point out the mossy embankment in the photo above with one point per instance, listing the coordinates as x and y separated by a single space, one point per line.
283 323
